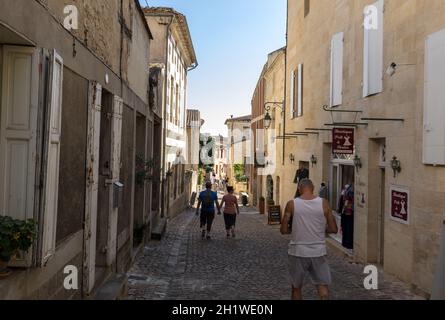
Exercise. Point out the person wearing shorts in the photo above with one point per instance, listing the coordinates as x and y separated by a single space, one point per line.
207 200
231 209
308 218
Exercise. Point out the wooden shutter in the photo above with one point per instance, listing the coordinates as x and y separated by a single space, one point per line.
336 70
52 157
300 91
373 54
434 100
116 143
18 123
92 185
292 95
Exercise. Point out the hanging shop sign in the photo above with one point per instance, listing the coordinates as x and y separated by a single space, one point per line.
400 209
343 141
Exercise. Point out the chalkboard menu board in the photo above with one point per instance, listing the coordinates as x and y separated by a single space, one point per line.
274 214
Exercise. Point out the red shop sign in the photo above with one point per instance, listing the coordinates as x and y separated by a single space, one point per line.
343 140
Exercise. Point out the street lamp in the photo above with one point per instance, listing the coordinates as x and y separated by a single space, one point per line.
313 160
396 166
357 162
267 106
267 120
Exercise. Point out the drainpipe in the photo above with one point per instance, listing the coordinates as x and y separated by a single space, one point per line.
285 85
193 67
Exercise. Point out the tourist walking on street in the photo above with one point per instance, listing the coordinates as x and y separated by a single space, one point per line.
308 218
231 209
346 209
207 200
323 192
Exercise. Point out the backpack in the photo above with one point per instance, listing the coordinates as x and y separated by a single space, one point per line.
207 199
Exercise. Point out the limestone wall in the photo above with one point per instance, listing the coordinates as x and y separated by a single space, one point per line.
410 251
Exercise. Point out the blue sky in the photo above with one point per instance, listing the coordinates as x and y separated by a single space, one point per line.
232 39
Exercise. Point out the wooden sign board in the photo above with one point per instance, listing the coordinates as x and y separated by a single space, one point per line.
400 208
343 141
274 214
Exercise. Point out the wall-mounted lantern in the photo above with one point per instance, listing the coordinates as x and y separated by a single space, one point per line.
313 160
292 158
357 162
268 107
267 120
396 166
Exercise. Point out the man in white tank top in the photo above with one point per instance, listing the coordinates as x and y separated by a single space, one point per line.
308 219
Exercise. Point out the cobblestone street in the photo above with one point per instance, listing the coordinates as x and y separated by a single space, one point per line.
252 266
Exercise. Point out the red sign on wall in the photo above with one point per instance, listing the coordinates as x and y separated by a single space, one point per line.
343 140
400 204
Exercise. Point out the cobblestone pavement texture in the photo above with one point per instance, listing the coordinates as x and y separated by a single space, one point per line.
253 266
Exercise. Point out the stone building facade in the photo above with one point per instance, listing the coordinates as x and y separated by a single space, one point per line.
240 151
172 52
384 61
75 116
194 124
268 98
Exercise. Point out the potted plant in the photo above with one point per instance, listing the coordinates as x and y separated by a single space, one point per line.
15 236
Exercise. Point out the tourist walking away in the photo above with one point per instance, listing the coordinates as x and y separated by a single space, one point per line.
308 218
346 208
323 192
207 200
231 209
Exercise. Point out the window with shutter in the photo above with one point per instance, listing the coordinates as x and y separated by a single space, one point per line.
373 49
434 100
18 122
336 95
300 91
52 156
292 94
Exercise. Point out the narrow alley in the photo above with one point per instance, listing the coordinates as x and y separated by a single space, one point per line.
251 266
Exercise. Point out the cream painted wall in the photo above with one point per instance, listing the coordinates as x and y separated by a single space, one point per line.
410 251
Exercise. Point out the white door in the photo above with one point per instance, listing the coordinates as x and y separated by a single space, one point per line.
52 148
18 122
92 185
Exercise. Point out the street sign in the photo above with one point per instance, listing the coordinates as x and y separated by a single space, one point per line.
399 198
274 214
343 141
